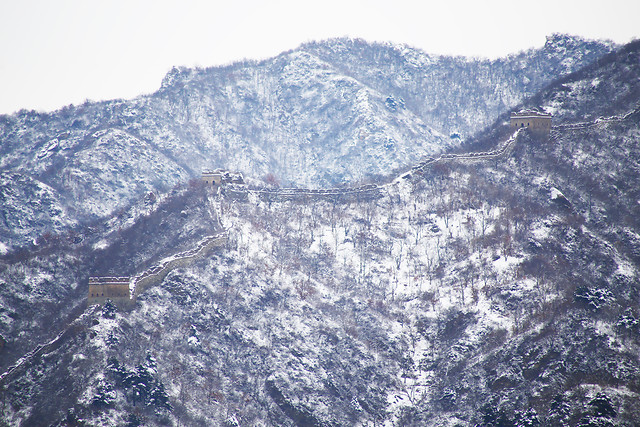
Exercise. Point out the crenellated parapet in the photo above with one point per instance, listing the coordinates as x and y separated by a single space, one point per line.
537 122
114 289
156 274
122 291
220 177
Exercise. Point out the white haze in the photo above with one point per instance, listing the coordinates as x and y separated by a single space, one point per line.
57 53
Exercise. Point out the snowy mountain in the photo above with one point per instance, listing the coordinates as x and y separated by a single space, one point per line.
492 289
458 95
328 113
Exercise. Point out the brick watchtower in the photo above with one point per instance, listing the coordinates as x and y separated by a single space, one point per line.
115 289
219 177
539 123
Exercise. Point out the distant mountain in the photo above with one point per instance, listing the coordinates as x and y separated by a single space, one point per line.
457 95
327 113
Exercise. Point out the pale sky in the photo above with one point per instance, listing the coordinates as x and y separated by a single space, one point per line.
59 52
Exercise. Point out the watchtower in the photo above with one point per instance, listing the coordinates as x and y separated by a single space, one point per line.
539 123
212 177
218 177
115 289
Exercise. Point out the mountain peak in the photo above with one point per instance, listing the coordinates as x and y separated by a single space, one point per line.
563 41
175 75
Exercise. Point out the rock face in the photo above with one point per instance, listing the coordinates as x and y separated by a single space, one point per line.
497 289
325 114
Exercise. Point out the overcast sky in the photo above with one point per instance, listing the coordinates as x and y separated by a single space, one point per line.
56 53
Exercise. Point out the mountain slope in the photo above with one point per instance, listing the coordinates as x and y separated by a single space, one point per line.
326 113
481 89
500 291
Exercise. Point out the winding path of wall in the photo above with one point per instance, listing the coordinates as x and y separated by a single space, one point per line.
150 277
596 122
47 347
156 274
501 151
364 192
372 191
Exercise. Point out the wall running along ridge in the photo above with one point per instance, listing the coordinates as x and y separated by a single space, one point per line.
155 275
151 277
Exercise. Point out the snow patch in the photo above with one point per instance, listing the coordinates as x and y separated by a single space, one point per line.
79 356
625 268
505 263
540 230
556 194
101 244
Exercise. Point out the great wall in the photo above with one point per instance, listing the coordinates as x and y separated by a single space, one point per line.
231 185
123 291
364 192
596 122
51 345
156 274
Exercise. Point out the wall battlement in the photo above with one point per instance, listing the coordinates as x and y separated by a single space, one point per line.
123 291
219 177
115 289
539 123
155 275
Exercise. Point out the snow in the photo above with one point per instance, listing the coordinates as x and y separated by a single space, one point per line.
47 150
554 194
307 289
625 268
103 330
79 356
100 244
541 230
505 263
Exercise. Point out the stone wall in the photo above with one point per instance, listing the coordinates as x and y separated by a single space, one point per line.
156 274
538 123
115 289
220 177
338 195
212 178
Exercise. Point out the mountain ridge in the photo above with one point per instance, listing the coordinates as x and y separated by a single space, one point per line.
312 126
488 292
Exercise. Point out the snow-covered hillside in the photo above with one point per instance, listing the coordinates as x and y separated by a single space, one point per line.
492 290
328 113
